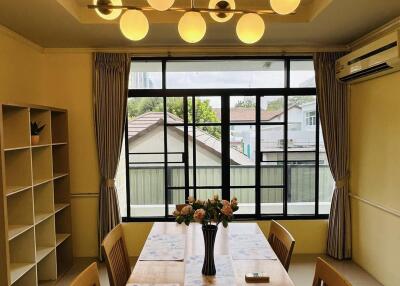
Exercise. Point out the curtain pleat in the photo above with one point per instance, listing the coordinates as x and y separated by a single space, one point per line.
333 105
110 92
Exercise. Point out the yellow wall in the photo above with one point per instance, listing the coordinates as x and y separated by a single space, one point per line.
63 79
375 157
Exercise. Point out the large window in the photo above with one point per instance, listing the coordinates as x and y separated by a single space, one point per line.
234 127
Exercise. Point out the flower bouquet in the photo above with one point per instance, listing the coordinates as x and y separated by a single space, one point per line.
210 214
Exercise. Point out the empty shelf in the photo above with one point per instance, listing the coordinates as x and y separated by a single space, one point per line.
61 237
16 189
17 270
16 230
42 252
39 217
59 175
60 207
16 148
38 182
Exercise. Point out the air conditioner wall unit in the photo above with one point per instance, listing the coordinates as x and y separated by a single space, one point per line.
373 60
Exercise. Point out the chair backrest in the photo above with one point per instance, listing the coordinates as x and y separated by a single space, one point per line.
282 242
116 256
88 277
327 275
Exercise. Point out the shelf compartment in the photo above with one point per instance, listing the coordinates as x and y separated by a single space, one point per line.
42 116
61 237
60 159
22 254
18 169
23 274
15 127
59 127
64 257
42 165
40 217
42 252
43 196
47 268
12 190
20 213
45 238
63 223
15 230
60 207
61 190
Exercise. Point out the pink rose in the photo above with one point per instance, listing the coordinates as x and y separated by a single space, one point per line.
187 210
176 213
234 201
199 215
215 197
227 210
225 202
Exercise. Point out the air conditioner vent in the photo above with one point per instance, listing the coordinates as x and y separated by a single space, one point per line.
373 53
366 72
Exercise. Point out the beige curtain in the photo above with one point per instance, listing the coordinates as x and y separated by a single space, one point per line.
110 91
333 106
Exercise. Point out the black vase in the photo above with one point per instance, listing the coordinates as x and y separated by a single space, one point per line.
209 233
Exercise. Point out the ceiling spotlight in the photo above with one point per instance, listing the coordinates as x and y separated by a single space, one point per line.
250 28
221 17
284 7
134 25
192 27
161 5
105 13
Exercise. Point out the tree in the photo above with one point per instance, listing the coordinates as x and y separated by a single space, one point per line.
203 112
293 100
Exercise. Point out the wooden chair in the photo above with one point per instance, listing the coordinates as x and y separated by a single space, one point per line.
116 256
88 277
327 275
282 242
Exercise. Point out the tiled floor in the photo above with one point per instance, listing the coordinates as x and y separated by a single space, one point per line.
301 271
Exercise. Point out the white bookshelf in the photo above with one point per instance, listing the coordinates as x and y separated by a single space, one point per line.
35 196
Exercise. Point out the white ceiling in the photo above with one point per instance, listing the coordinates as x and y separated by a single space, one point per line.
51 25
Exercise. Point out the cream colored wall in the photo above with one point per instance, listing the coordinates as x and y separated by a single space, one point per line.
375 157
64 80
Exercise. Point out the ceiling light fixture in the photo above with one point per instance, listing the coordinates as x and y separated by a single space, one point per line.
134 25
108 13
161 5
222 17
250 28
284 7
192 27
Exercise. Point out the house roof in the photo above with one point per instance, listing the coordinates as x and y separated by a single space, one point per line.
145 123
240 114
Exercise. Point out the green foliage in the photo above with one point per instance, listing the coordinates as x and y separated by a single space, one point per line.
36 129
293 100
203 113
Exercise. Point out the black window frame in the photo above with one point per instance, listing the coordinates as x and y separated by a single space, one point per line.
286 91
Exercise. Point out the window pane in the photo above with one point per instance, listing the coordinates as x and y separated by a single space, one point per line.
242 109
242 155
302 74
208 155
246 200
326 182
207 109
301 155
175 197
272 109
272 174
145 75
225 74
272 142
146 160
120 181
205 194
271 201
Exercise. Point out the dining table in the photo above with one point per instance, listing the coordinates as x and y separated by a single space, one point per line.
161 272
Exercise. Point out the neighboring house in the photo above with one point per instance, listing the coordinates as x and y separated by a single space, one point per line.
301 133
146 134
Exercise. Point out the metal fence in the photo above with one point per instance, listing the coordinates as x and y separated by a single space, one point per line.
147 183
